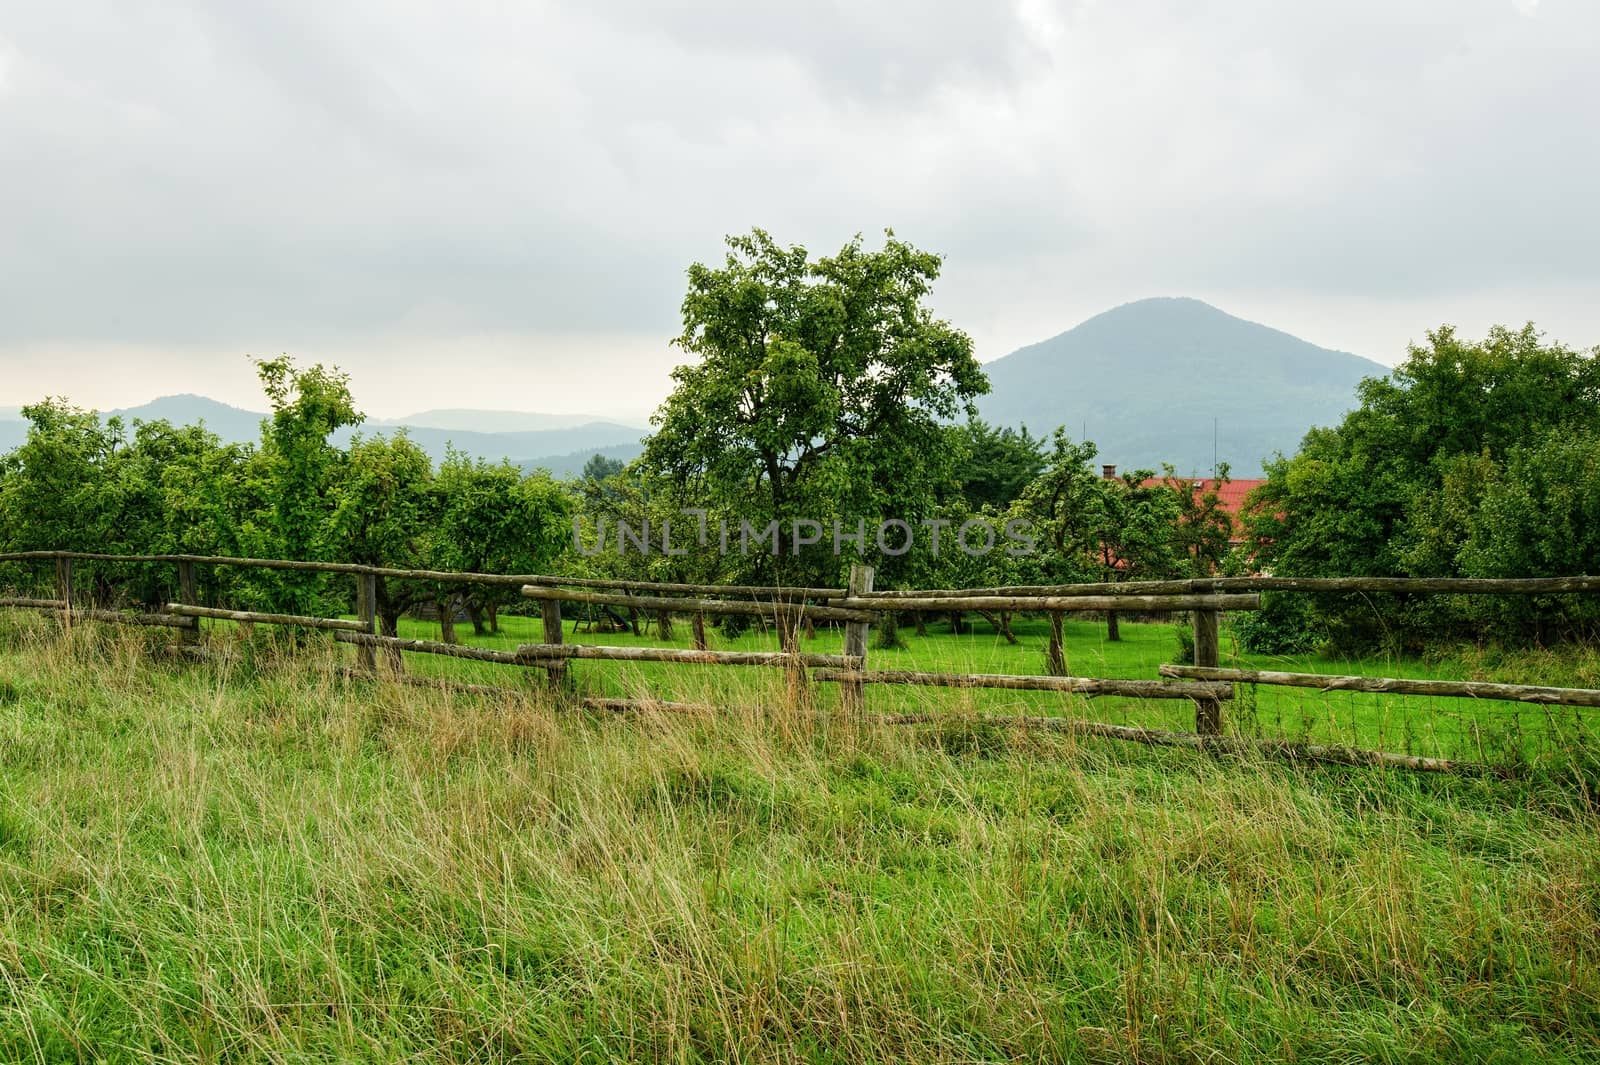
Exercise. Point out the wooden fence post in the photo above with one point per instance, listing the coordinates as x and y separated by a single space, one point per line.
64 589
367 613
1207 652
189 595
556 675
852 693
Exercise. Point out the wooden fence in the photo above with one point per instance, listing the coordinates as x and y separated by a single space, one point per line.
1205 683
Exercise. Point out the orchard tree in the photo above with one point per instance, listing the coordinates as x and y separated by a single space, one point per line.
293 481
382 511
997 464
494 519
1103 528
1204 531
819 391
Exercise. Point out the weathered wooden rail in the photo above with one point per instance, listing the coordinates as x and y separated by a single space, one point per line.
856 607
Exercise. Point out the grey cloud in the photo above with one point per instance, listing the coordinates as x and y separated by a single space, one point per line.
188 174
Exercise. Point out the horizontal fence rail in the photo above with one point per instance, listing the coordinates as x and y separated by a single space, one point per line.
1202 585
1068 603
697 606
1088 686
1206 683
1450 689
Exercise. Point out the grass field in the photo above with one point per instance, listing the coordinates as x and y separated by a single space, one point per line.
249 859
1481 730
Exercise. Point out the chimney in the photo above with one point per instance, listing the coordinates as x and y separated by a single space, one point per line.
1108 471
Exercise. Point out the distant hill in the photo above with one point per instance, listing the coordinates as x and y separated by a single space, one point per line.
233 424
534 446
562 449
491 421
570 465
1147 378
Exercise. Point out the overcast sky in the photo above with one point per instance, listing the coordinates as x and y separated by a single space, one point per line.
493 204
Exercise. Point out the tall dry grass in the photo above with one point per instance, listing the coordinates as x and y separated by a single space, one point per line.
252 858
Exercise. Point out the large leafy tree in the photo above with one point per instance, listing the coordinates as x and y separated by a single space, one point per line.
1103 528
1423 477
819 390
494 519
998 463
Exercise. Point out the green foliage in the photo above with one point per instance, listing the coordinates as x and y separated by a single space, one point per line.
819 390
78 483
1286 624
1472 459
1183 636
997 464
1103 528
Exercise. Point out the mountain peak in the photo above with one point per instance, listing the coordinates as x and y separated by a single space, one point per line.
1149 382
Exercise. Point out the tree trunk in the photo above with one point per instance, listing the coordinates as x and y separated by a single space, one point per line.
957 625
633 622
493 610
921 621
664 624
811 628
1113 633
1001 622
699 625
888 634
475 612
447 618
389 625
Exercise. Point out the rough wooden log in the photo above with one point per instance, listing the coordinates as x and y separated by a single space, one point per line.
648 705
1294 752
1408 585
747 591
498 691
705 606
367 611
123 617
1207 652
431 647
255 617
64 588
1450 689
189 593
1087 686
550 620
1170 603
1411 585
546 652
852 693
412 680
1055 656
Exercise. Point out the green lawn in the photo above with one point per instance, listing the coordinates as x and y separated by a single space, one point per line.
1480 730
254 859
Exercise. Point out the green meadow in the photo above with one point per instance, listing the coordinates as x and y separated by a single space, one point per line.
1472 730
256 858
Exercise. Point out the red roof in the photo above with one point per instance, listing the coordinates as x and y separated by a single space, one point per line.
1230 494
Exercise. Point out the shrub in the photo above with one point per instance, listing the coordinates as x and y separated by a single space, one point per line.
1285 625
1184 656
